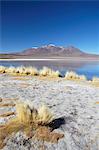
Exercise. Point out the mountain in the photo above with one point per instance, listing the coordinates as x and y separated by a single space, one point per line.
51 51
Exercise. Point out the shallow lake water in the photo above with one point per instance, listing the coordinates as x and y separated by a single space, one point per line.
88 68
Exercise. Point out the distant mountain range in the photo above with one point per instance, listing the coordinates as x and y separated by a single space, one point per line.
50 51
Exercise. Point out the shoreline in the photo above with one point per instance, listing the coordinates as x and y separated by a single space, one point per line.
53 59
48 73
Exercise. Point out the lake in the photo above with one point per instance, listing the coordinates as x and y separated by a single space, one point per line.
88 68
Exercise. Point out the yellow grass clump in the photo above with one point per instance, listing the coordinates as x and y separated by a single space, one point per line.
33 122
44 115
27 115
25 119
45 71
31 70
2 69
95 79
71 75
55 74
11 70
23 112
74 76
20 70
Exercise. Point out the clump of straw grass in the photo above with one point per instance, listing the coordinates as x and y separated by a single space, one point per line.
95 81
31 70
44 115
23 112
74 76
26 118
71 75
20 70
45 71
2 69
40 116
11 70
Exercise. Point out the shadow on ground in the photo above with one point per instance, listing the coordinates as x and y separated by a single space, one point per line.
57 123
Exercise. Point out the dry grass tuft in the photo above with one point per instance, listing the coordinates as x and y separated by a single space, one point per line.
44 115
74 76
55 74
23 112
2 69
44 71
31 121
95 81
71 75
11 70
31 70
49 72
20 70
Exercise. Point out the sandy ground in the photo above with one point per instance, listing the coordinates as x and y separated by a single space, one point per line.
75 104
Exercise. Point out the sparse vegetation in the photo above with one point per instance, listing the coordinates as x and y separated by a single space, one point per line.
29 120
45 71
74 76
2 69
20 70
44 115
95 81
31 70
26 114
11 70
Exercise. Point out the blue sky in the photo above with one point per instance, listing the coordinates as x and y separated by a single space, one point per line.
25 24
